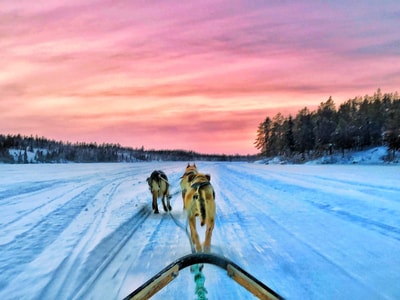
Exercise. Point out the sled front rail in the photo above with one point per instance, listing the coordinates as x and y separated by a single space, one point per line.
165 276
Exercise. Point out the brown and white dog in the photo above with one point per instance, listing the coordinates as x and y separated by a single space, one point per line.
184 183
200 201
159 187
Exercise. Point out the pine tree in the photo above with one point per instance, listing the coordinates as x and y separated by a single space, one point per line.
325 121
263 137
392 134
303 132
290 142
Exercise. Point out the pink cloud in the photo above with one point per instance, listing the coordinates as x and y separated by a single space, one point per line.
192 75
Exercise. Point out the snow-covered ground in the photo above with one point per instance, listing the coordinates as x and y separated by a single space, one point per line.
372 156
86 231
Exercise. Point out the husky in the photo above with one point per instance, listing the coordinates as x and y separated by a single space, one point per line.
184 183
159 187
200 201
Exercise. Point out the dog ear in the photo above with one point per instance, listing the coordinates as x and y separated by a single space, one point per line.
191 177
188 165
208 176
194 165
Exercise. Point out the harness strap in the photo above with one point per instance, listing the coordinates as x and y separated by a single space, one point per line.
199 185
185 229
188 173
162 178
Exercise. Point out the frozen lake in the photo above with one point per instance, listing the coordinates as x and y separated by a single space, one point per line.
87 231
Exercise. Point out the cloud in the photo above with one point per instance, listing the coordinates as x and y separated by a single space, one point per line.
105 69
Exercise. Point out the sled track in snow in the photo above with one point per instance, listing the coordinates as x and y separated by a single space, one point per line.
332 205
61 195
88 231
89 258
44 233
104 253
29 188
302 246
68 267
379 227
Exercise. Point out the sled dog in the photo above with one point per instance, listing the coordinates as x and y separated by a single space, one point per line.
159 187
184 183
200 201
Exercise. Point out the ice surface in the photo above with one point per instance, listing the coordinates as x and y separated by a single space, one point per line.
86 231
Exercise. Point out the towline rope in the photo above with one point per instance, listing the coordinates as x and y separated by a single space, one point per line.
199 277
185 229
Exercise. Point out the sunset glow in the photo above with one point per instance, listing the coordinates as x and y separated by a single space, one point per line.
192 75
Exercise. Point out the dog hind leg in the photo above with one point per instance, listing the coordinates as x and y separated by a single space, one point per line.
163 203
201 202
209 230
168 200
154 203
210 207
193 233
183 197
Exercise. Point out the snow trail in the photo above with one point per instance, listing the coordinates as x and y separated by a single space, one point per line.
87 231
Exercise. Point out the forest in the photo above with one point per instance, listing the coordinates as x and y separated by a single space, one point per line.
29 149
357 124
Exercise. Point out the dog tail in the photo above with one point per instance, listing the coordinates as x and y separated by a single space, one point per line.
201 205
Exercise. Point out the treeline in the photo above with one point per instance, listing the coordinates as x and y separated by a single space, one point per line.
29 149
182 155
356 124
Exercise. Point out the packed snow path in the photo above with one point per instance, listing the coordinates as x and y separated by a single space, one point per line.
86 231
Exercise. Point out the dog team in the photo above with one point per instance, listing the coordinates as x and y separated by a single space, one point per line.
198 201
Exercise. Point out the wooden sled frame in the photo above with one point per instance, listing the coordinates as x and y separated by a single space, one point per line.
165 276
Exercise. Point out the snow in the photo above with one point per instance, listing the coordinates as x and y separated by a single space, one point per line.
375 155
371 156
86 231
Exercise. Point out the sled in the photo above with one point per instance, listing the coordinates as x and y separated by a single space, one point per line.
169 273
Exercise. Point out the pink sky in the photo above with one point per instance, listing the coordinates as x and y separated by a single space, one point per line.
192 75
